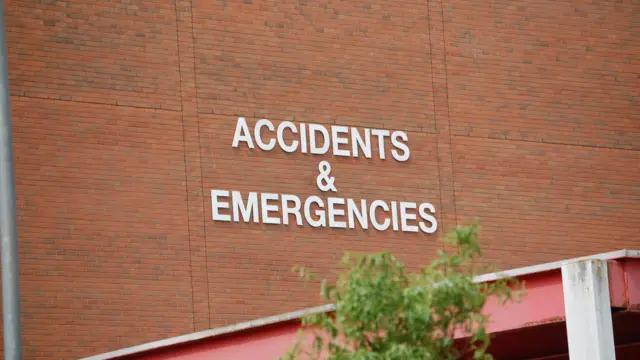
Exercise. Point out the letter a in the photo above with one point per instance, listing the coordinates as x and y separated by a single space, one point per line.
242 134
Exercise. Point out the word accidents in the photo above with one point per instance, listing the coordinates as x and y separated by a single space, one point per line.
315 211
343 140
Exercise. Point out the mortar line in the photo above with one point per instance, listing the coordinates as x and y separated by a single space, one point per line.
186 177
204 220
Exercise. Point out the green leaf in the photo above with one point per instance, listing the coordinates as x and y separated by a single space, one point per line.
384 312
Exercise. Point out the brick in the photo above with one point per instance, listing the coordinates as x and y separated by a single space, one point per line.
102 226
522 114
542 203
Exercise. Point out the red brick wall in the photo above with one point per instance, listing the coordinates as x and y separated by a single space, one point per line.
522 113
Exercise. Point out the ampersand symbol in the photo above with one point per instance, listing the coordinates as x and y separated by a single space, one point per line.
324 181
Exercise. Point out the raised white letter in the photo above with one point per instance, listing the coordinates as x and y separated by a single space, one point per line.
333 212
372 215
394 216
380 134
216 205
423 214
321 222
242 134
336 141
286 210
249 210
266 208
404 216
400 145
354 212
357 141
294 144
303 138
313 145
272 143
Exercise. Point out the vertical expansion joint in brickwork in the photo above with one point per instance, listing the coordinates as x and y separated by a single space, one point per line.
448 112
184 147
192 163
201 190
446 79
433 104
440 108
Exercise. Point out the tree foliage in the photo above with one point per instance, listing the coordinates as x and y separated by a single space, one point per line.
384 312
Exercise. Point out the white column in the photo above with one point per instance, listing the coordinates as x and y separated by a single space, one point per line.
588 310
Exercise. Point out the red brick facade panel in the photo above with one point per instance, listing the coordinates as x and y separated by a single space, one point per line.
104 251
107 52
521 113
562 72
348 62
544 202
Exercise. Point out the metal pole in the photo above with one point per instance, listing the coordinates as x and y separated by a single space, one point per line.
8 226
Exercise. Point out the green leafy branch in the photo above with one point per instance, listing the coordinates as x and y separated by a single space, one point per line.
384 312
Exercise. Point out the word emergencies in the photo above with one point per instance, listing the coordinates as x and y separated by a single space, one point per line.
333 212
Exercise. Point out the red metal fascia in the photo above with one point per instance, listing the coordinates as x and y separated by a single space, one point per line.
624 283
632 267
618 284
544 298
267 344
542 303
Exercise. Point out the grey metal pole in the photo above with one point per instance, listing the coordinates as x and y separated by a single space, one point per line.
8 219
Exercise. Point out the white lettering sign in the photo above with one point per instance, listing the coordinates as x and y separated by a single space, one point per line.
333 211
319 140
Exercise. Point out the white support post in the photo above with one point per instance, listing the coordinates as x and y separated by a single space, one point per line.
588 310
